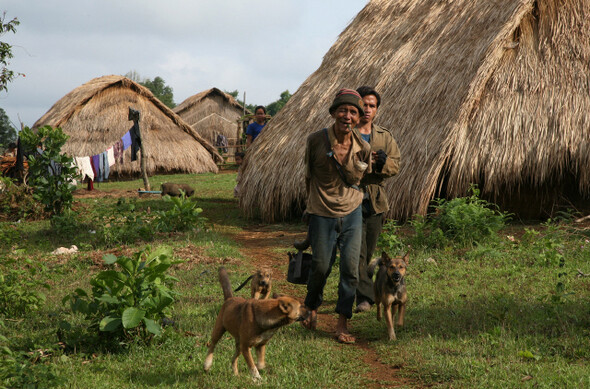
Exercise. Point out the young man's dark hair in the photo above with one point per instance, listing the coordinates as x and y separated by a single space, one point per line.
260 107
366 91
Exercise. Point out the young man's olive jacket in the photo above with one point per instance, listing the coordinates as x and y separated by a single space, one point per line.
373 182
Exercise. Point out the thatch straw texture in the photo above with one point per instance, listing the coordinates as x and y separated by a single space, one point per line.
95 116
212 112
475 91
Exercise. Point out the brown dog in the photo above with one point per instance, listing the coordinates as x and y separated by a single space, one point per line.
252 323
390 289
172 189
260 286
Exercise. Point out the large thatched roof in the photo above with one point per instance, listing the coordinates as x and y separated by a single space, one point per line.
95 116
212 112
475 91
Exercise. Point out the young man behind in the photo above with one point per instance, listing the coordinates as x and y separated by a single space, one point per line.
386 158
335 160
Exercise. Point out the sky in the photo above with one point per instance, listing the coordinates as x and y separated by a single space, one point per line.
261 47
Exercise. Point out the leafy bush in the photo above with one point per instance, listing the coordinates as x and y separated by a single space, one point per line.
17 202
464 221
19 292
20 369
128 301
389 241
51 173
183 216
123 225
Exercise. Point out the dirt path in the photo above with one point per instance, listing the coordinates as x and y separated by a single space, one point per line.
259 243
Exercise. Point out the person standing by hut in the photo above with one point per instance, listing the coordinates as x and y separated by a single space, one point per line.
385 157
255 128
335 160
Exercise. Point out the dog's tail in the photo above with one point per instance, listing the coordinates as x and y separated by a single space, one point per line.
372 265
244 283
225 284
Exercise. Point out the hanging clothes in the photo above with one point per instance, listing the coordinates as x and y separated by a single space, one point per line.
84 166
221 143
126 140
118 151
135 141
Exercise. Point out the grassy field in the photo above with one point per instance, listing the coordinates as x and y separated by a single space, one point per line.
512 311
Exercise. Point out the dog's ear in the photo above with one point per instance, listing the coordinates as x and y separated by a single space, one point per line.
406 258
384 256
284 306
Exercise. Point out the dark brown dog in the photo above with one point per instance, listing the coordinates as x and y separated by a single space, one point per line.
172 189
252 323
390 289
260 286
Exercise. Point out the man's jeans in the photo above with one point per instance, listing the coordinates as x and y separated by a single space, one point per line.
327 234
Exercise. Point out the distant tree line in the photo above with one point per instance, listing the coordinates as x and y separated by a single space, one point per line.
271 109
166 95
157 86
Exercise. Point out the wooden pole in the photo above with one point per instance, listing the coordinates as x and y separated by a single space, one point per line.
134 115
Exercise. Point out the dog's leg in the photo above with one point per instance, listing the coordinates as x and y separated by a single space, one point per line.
378 304
401 313
234 359
256 295
260 353
389 321
250 362
218 332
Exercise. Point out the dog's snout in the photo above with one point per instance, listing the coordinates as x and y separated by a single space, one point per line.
303 314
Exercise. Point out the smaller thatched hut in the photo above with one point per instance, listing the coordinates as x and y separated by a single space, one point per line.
211 113
95 116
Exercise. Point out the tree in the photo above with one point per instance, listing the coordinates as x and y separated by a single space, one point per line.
6 75
162 91
273 108
7 132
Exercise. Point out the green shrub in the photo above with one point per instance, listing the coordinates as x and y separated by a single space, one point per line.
19 288
389 241
123 225
51 173
543 247
462 221
183 216
24 369
128 300
17 202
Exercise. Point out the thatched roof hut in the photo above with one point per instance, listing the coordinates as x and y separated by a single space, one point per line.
474 91
95 116
212 112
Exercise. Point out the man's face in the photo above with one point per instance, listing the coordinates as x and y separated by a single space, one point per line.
370 108
260 116
346 117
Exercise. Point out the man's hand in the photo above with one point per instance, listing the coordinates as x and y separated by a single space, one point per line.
380 158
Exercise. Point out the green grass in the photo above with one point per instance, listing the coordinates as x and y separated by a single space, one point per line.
500 314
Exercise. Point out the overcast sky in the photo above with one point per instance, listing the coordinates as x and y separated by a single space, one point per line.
262 47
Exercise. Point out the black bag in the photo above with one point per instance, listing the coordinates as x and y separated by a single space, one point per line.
299 267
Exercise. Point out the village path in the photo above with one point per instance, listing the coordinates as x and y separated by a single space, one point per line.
259 244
